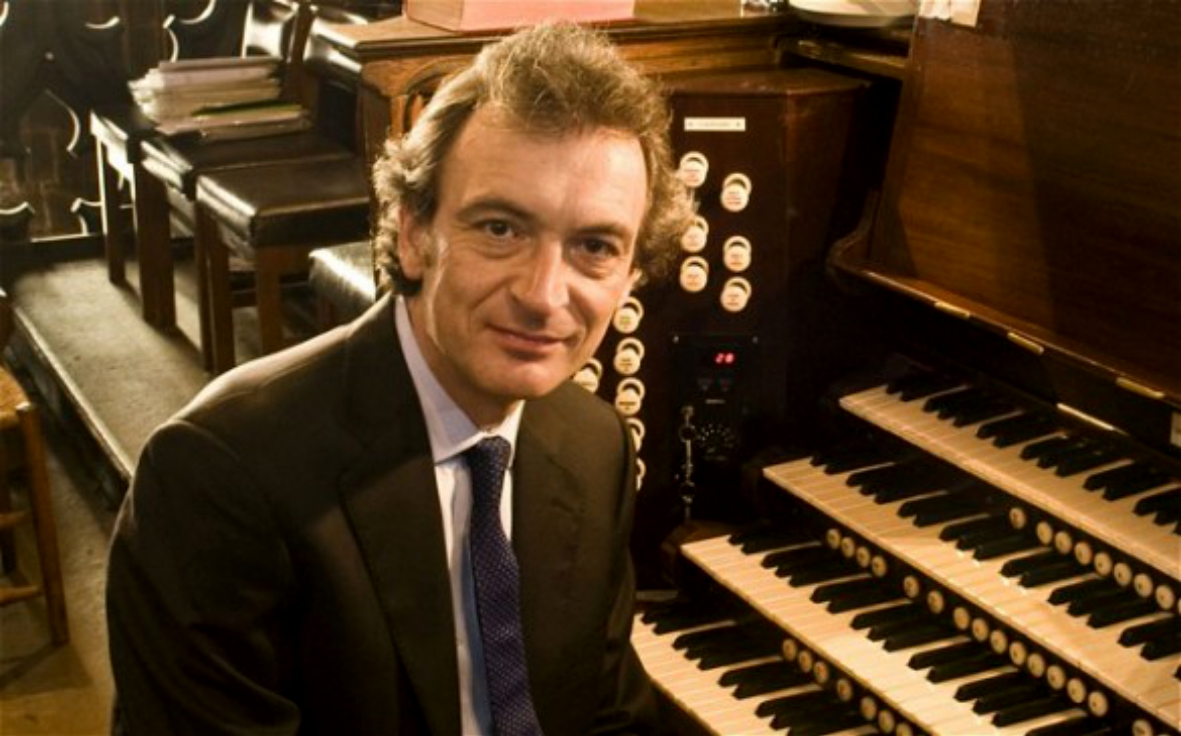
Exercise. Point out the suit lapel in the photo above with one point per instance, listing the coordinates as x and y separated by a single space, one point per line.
548 504
391 500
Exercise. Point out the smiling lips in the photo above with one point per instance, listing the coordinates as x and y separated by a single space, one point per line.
526 341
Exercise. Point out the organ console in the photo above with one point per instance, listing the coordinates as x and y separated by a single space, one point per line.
932 471
979 530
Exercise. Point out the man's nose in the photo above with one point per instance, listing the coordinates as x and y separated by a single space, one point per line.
541 284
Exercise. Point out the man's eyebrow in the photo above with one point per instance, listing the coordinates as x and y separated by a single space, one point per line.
493 205
484 206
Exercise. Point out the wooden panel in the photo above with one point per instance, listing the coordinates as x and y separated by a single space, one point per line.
1035 178
665 38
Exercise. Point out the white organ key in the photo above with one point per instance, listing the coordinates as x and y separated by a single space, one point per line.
1111 521
698 692
1095 651
931 706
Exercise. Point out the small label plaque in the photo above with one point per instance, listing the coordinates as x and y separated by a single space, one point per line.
1176 435
715 125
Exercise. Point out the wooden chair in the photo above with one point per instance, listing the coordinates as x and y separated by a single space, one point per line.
125 140
22 449
271 218
343 278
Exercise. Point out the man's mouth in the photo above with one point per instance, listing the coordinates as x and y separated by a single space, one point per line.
527 341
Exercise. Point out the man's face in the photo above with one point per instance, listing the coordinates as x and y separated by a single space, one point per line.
528 255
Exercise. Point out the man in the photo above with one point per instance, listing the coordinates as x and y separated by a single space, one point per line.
304 547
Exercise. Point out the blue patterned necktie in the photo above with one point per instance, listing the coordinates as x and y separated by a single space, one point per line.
498 594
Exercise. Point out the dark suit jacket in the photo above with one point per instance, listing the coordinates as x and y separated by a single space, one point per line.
279 564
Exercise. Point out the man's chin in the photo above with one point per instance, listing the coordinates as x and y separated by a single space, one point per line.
523 386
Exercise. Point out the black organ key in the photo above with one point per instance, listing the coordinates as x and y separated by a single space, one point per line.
804 709
831 722
1013 430
997 683
1168 516
1082 726
1020 565
788 703
982 662
943 655
904 479
1115 492
944 404
1016 542
761 679
1125 611
1030 709
1166 499
919 385
973 412
902 492
1164 646
916 635
1137 474
891 473
853 455
834 591
802 556
941 502
862 599
1140 633
756 672
1071 448
1035 450
823 572
882 629
973 531
724 656
904 612
1064 569
949 513
679 615
697 641
1096 602
1083 589
1085 461
986 528
1010 696
765 538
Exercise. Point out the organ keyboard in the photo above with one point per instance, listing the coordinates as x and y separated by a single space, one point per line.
959 600
1112 521
989 540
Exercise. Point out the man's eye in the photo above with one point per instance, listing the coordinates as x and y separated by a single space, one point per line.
498 228
599 248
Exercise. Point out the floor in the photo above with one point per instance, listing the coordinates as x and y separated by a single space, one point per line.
86 356
61 690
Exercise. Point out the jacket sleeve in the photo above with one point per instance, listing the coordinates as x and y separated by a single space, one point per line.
628 704
198 581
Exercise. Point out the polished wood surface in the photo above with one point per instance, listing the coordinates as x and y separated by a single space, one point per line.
1035 183
391 57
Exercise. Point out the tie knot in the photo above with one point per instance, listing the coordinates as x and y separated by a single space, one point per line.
488 460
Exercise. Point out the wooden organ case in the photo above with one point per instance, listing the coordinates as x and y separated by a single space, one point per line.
982 532
695 361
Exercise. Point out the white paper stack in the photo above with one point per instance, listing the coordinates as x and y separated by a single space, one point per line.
222 97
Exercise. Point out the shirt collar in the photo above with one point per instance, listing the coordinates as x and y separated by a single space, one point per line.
450 430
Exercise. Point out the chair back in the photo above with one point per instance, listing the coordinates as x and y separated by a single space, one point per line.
279 29
329 80
5 319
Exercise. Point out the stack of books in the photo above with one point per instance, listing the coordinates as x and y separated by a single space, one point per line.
222 97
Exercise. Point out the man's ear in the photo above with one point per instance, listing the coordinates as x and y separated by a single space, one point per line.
412 237
634 279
